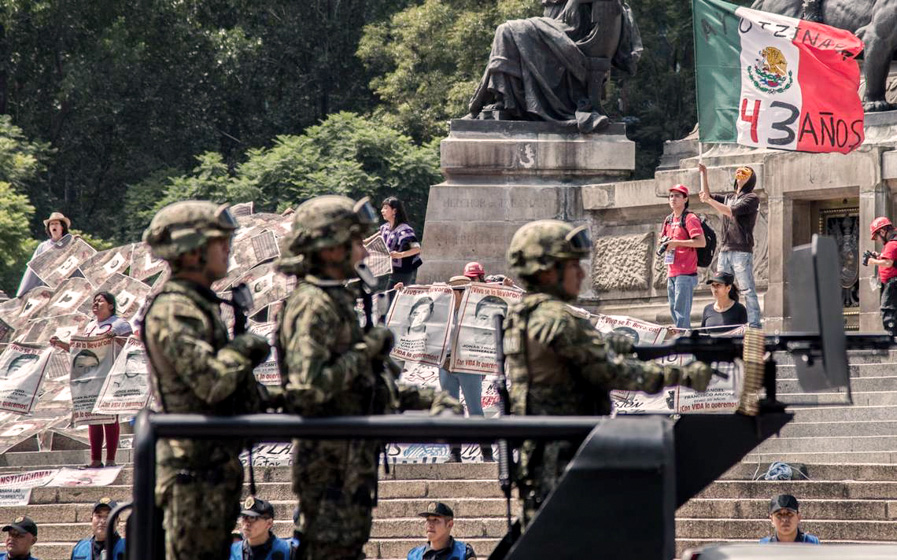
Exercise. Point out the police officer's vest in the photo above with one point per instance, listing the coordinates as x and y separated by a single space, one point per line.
3 556
84 550
458 552
278 546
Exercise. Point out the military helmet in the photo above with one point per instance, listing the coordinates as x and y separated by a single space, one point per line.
540 245
184 226
328 221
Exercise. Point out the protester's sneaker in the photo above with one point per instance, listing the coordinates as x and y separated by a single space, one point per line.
111 464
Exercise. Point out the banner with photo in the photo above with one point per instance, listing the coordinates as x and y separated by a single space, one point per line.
22 368
419 318
645 333
267 372
68 477
104 264
69 297
18 311
126 389
251 246
129 294
91 359
143 264
55 265
721 395
64 327
378 260
474 343
266 286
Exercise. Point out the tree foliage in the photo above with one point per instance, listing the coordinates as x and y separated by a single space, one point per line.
346 154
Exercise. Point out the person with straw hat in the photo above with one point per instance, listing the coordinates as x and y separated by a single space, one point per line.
57 227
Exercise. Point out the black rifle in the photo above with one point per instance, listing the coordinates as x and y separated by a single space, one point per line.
504 453
241 301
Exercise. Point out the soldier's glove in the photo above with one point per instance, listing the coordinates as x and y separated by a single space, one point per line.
695 375
620 344
443 402
252 346
379 341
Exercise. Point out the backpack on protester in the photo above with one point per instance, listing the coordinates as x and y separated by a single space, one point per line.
705 253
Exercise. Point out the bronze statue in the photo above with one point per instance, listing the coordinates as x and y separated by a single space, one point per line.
873 21
553 68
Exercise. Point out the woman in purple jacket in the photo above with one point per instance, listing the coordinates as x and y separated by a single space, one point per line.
402 242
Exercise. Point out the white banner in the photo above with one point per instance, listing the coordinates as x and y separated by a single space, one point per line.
129 294
419 318
126 389
378 260
143 264
22 368
267 372
69 477
641 332
10 497
55 265
269 455
91 358
27 480
474 345
104 264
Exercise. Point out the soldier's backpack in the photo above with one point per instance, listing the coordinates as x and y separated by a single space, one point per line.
705 253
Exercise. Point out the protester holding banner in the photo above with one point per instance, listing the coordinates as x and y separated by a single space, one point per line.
739 210
57 227
557 362
329 367
680 237
105 323
725 311
402 242
197 369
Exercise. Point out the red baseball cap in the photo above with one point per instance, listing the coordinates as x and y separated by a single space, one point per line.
680 189
474 270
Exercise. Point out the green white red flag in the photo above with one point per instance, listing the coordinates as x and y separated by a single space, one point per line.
767 80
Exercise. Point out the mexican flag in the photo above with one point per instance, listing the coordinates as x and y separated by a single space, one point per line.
772 81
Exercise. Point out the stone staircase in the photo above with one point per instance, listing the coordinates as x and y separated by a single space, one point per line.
851 453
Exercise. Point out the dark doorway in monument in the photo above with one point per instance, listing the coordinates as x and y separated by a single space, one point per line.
840 219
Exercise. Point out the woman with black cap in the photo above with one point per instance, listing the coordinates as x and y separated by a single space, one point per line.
725 311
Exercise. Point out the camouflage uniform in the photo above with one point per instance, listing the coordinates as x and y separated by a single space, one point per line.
557 362
327 367
196 369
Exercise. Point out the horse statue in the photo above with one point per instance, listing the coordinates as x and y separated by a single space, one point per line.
873 21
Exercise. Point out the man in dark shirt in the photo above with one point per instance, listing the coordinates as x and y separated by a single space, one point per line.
739 211
21 535
440 543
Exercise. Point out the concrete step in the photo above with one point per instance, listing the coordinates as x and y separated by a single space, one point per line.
821 471
806 490
756 508
875 383
440 489
844 413
829 443
464 528
854 357
764 458
846 428
41 459
725 529
857 370
684 544
867 398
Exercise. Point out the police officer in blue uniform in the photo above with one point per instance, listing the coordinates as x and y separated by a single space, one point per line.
784 513
96 547
440 543
21 535
259 542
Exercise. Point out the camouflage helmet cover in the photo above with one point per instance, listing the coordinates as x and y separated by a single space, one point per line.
183 226
540 245
328 221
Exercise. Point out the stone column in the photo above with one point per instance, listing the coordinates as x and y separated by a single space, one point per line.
775 308
874 201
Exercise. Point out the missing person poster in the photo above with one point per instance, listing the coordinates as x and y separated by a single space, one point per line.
129 294
56 264
126 390
474 344
92 358
266 285
267 372
647 334
419 319
64 327
378 260
18 311
143 264
22 368
104 264
69 297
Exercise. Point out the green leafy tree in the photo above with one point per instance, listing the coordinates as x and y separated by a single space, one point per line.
428 59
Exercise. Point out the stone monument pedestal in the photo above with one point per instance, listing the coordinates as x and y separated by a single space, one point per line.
500 175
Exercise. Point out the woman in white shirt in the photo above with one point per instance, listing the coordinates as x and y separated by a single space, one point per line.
105 323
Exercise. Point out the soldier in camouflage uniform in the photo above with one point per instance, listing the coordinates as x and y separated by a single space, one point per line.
557 362
197 369
329 367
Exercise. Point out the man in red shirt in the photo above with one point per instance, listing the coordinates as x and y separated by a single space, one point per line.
681 256
882 229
